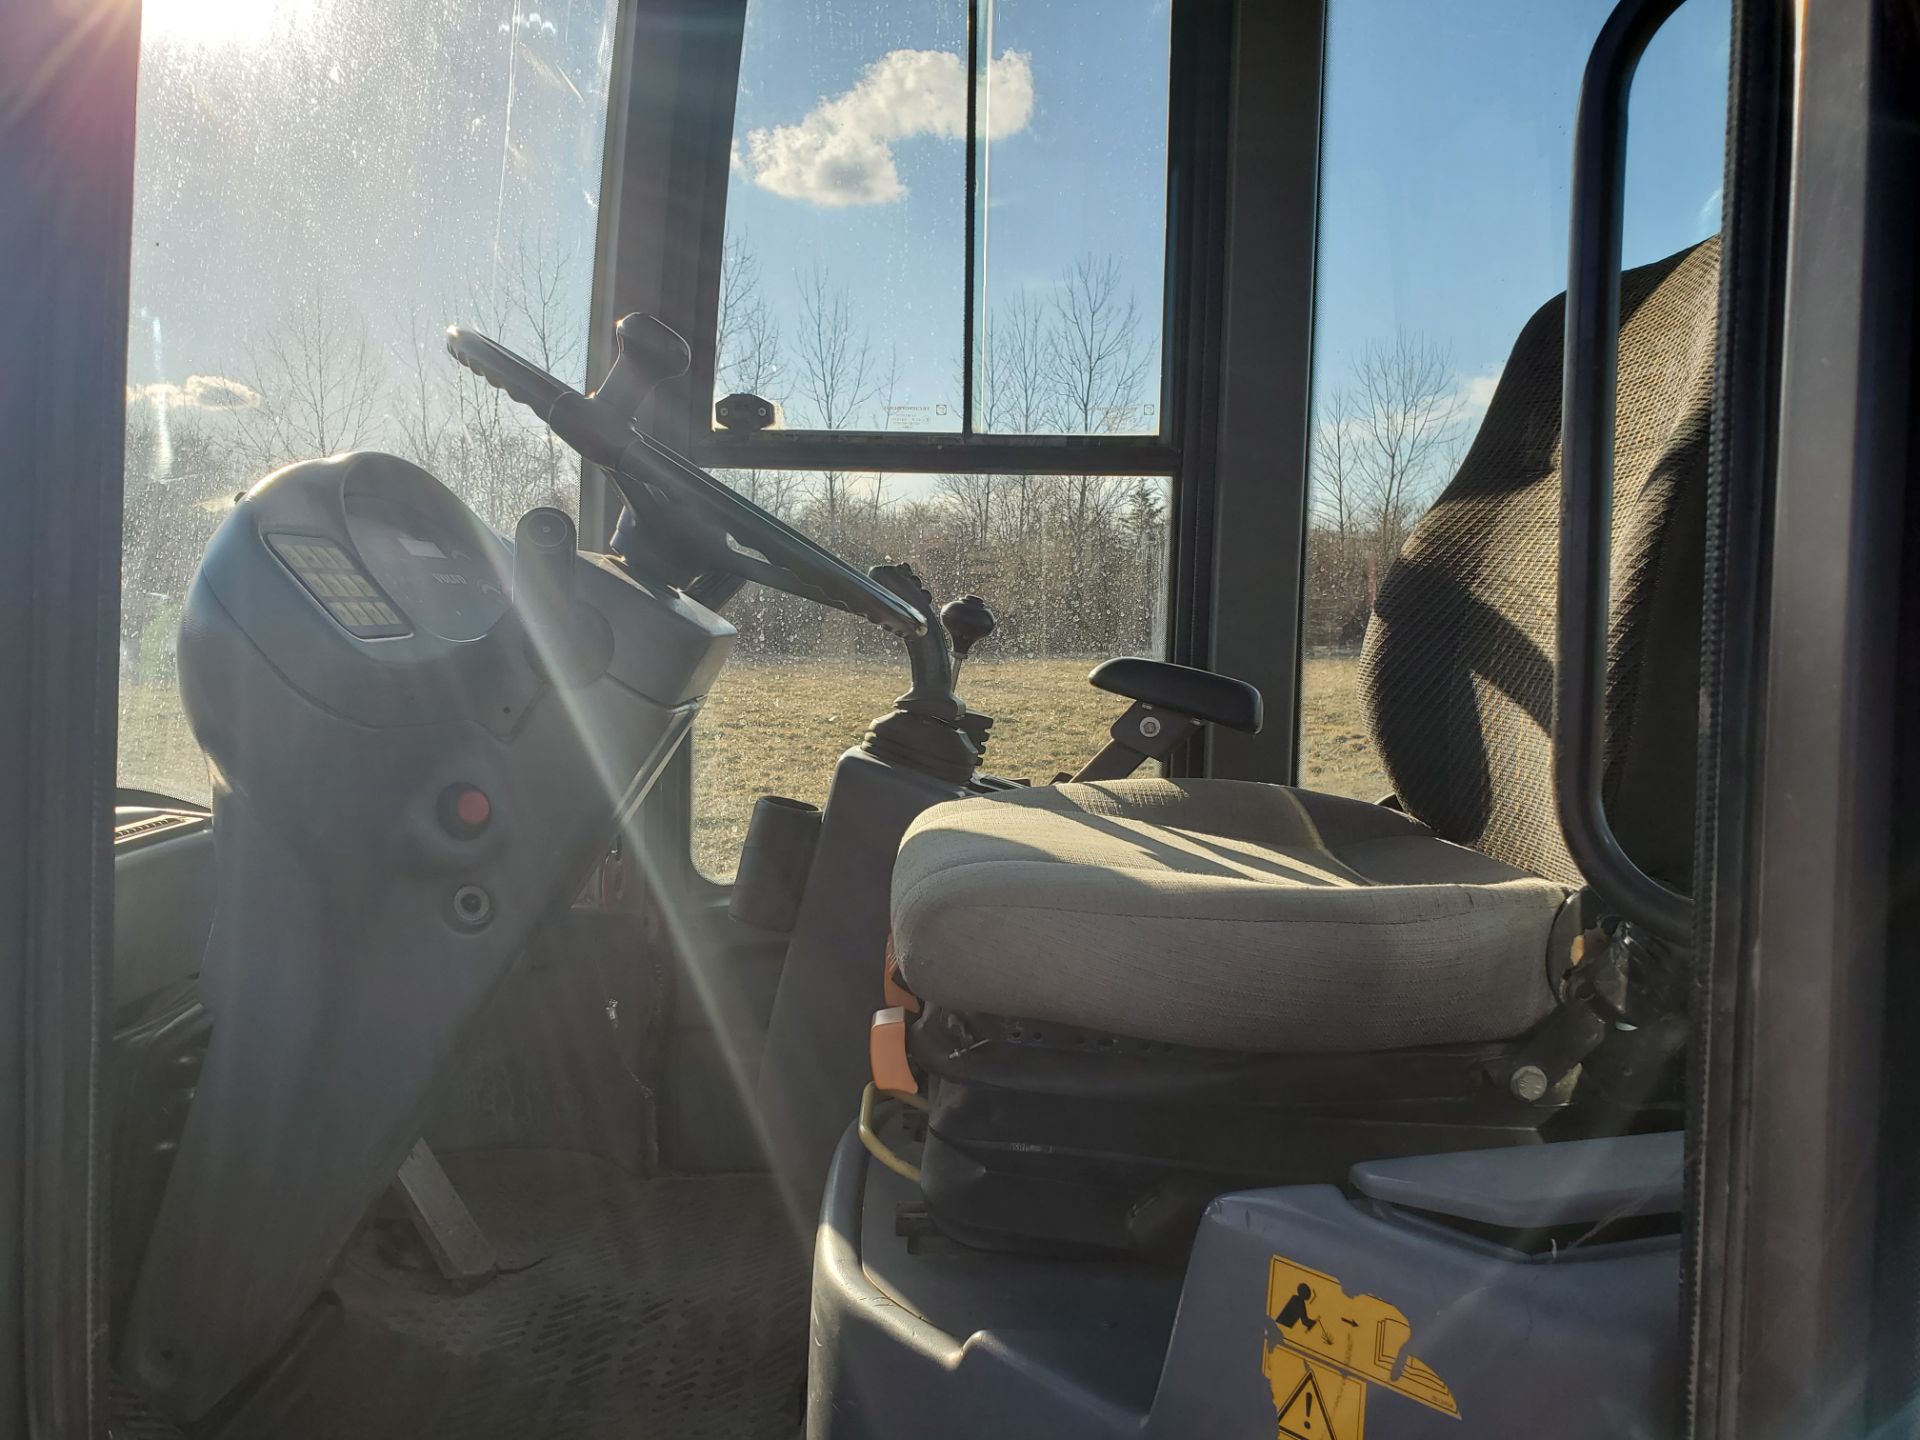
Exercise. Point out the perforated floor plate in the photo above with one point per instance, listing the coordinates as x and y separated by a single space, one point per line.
130 1417
668 1308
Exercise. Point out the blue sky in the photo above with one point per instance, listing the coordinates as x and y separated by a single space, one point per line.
1074 163
1444 201
285 154
1445 165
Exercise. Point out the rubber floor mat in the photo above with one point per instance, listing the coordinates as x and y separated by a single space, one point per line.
673 1308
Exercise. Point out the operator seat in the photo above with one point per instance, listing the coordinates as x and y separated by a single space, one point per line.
1243 917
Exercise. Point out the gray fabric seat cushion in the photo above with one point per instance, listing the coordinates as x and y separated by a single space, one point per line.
1219 913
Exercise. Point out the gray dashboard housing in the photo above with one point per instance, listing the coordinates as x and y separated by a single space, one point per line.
340 971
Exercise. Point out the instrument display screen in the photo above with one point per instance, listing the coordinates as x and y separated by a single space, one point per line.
446 571
346 591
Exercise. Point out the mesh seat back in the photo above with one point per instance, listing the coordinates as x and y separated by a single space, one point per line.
1457 672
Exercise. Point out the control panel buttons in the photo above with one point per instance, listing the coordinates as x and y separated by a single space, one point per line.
464 810
335 579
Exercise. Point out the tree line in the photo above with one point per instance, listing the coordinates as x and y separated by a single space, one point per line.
1384 444
1073 565
316 382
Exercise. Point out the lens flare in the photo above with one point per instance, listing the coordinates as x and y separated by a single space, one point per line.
217 24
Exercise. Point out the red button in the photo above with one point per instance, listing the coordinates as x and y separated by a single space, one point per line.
472 807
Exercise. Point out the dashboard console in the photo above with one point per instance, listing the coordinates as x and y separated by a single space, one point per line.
410 770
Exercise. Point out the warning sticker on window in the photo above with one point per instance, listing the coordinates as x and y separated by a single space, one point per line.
1326 1347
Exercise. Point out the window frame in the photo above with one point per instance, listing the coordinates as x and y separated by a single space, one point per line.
670 126
63 425
967 450
1242 183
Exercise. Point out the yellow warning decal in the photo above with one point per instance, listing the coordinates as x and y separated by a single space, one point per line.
1329 1346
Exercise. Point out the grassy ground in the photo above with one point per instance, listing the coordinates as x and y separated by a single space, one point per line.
778 728
156 748
1336 754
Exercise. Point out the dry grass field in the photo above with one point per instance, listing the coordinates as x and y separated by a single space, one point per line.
778 728
157 751
1336 754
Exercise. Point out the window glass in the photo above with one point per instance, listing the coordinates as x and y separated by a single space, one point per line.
1070 219
842 282
844 276
321 187
1074 568
1443 227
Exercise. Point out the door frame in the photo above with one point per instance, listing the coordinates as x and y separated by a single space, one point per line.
68 77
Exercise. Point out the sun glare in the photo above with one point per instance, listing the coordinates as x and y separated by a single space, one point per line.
216 22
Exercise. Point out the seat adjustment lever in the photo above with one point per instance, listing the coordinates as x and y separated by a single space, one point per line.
1170 703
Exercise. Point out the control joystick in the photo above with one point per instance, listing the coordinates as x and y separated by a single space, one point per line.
967 621
647 353
928 728
932 691
568 642
544 543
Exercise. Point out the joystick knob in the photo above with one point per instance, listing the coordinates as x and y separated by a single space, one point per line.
647 352
968 622
569 642
543 549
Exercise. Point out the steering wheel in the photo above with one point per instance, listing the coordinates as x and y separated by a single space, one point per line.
732 532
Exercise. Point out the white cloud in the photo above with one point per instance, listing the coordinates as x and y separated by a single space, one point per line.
200 392
841 151
1476 393
1710 211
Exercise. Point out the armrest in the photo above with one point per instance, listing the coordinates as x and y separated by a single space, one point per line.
1201 694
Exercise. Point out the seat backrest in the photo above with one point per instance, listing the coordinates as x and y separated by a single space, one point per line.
1457 674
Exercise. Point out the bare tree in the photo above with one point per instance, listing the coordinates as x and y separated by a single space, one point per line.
747 360
319 381
971 498
1408 426
1096 360
1018 395
554 338
420 411
1340 540
552 328
1383 446
1096 369
1018 392
746 333
836 377
1335 479
739 292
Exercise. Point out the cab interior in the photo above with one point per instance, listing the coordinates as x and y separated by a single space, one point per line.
852 720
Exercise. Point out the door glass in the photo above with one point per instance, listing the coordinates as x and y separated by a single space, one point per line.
321 187
1443 227
1074 568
